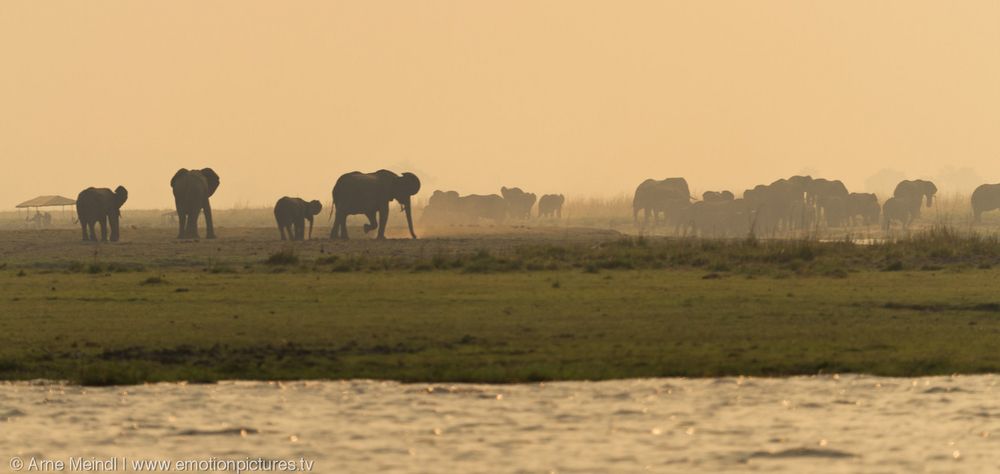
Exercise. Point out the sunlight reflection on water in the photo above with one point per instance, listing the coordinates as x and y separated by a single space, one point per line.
824 423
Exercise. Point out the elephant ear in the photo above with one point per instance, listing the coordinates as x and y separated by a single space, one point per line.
315 207
177 175
121 194
407 185
212 178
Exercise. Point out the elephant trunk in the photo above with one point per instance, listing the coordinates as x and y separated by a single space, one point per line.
310 227
930 200
408 209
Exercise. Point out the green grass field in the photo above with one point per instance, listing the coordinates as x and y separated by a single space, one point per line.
526 307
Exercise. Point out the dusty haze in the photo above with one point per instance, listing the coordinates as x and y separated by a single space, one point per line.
570 96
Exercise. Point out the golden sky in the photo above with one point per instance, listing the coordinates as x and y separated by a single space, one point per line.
574 96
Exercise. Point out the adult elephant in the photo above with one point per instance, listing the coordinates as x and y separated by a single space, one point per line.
914 192
477 206
899 209
369 194
984 199
291 215
192 188
519 203
671 196
100 206
550 205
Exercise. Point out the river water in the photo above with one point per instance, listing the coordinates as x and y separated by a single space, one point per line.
799 424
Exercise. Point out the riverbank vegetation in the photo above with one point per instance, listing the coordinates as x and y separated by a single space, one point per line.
501 310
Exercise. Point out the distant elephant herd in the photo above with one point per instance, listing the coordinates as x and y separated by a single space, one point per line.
512 203
786 205
795 203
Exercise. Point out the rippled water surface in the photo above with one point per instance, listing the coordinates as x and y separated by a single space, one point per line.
802 424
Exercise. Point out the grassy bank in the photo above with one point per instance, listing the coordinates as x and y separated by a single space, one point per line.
507 327
511 308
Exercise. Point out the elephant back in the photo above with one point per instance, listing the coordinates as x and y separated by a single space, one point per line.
986 197
652 192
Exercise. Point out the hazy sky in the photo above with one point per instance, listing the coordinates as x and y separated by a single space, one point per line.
573 96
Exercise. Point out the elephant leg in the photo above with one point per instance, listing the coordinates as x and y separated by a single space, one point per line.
209 227
181 223
191 228
92 233
371 225
104 228
83 227
383 218
281 229
300 229
114 221
340 224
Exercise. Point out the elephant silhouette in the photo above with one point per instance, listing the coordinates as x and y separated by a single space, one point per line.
100 206
192 188
291 213
369 194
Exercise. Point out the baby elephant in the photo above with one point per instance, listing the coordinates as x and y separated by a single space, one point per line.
100 206
289 212
550 205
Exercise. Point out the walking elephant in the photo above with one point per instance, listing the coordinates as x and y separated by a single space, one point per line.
984 199
550 205
914 192
369 194
291 213
100 206
670 196
192 188
519 203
